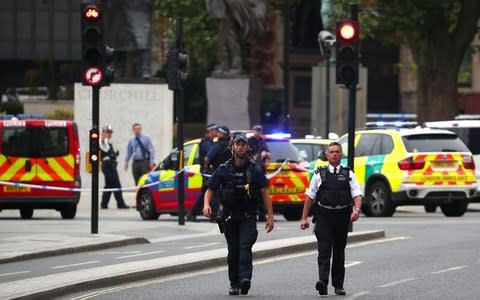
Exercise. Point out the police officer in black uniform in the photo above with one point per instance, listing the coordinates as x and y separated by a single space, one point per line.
330 194
241 185
205 144
109 169
219 153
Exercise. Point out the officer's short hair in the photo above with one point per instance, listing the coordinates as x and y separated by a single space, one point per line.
335 144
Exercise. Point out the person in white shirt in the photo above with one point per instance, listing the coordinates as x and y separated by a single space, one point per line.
330 196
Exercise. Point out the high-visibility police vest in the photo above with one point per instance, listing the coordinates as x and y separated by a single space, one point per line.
335 188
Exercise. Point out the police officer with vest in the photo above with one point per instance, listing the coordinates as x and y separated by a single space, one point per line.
330 197
241 185
205 144
109 169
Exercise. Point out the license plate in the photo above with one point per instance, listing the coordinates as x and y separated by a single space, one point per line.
15 189
284 190
443 164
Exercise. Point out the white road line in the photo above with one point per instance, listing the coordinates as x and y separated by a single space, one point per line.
214 231
397 282
449 269
14 273
76 265
140 254
358 294
114 252
353 263
385 240
202 245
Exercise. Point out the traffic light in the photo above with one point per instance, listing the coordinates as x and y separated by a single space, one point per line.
94 145
176 73
347 47
96 56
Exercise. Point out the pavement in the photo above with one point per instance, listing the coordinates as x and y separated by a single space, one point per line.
43 236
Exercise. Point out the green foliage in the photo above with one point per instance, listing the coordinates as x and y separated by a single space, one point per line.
61 114
11 107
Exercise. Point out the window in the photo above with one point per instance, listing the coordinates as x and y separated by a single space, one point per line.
35 142
434 143
387 144
187 151
369 144
282 150
53 141
17 142
465 72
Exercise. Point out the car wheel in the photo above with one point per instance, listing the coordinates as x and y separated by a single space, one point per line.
147 207
26 213
455 209
69 211
430 208
293 214
378 201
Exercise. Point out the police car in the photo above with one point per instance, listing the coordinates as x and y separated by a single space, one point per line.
288 179
420 166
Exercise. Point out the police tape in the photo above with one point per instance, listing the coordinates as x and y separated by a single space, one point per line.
133 188
65 189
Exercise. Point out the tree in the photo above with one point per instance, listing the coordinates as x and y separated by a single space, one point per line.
438 33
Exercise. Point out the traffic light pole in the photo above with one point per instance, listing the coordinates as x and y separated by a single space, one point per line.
178 98
95 162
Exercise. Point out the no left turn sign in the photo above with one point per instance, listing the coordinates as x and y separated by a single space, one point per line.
93 76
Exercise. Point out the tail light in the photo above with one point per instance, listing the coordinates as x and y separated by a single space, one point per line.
410 164
468 163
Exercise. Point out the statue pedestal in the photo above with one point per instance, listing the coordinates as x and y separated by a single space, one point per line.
234 102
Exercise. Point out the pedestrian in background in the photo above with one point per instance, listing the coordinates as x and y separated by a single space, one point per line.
330 194
205 144
259 153
140 148
241 185
109 169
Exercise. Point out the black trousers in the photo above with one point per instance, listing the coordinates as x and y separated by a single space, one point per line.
109 169
240 236
139 167
331 230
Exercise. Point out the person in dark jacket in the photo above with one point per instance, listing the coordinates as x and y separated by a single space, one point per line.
205 144
241 185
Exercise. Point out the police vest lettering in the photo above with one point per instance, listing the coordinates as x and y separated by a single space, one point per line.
335 188
238 193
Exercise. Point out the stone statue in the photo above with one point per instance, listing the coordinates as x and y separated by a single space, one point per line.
240 21
129 32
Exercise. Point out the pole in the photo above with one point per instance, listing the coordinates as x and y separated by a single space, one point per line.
352 94
286 63
327 100
178 97
95 121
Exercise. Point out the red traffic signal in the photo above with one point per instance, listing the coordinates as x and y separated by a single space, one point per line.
91 13
347 31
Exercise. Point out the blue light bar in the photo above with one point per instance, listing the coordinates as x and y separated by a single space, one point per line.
380 123
280 135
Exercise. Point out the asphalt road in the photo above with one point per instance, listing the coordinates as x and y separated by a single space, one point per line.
424 256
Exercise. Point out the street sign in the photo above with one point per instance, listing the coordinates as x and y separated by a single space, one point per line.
93 76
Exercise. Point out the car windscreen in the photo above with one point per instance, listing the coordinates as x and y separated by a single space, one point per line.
35 141
434 143
470 136
281 150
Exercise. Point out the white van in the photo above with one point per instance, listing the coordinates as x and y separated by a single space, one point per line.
469 132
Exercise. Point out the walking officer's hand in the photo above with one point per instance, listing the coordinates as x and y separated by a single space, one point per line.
304 224
207 210
269 224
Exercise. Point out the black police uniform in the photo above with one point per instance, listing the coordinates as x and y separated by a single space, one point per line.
109 169
332 216
239 189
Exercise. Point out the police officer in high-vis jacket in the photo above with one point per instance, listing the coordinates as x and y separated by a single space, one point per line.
330 197
241 185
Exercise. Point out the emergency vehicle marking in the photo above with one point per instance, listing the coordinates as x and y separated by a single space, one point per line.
14 123
55 123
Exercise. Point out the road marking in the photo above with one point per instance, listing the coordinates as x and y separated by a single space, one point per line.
385 240
14 273
214 231
358 294
140 254
202 245
353 263
114 252
449 269
397 282
76 265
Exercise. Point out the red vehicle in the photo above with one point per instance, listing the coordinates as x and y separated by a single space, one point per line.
39 152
